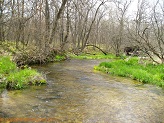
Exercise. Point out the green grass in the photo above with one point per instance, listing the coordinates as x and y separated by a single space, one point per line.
93 56
12 77
59 58
6 66
150 73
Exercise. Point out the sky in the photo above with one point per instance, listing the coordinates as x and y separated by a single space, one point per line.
133 6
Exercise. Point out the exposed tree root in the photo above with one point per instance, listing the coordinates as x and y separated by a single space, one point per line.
35 57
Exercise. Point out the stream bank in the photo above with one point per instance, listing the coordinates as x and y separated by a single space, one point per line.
78 93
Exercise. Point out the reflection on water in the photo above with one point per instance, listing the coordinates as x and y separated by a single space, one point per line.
77 93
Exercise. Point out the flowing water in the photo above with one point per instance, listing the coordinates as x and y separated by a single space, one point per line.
76 93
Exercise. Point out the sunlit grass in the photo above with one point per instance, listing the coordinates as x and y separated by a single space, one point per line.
59 58
147 74
92 56
6 66
14 78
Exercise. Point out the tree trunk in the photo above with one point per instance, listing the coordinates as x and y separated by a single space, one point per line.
47 22
88 34
55 22
67 30
97 48
1 21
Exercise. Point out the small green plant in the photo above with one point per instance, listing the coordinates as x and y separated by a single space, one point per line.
147 74
6 65
59 58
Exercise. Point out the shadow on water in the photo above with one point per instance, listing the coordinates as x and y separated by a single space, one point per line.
77 93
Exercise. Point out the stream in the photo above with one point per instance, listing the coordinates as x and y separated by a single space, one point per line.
77 93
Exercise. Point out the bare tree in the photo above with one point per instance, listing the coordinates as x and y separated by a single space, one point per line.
68 21
118 39
85 17
1 21
55 21
149 30
44 25
158 30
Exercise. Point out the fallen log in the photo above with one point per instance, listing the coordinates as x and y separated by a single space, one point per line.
97 48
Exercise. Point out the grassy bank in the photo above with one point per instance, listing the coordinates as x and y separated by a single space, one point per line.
150 73
12 77
92 56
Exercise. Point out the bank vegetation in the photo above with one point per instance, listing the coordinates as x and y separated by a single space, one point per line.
12 77
43 28
41 31
145 73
